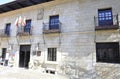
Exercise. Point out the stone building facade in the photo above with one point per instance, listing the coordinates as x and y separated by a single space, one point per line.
79 38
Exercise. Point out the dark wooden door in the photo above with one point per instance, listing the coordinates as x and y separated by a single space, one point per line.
24 56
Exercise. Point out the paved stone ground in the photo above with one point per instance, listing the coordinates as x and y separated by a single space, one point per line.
17 73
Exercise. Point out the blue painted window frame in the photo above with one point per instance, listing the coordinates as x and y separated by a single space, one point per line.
105 17
7 29
27 28
54 22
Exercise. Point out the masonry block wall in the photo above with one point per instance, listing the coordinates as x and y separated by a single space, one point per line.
76 44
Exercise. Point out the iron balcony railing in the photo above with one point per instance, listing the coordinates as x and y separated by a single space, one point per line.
4 33
110 22
52 28
22 31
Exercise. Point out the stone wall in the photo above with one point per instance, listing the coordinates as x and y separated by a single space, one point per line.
76 50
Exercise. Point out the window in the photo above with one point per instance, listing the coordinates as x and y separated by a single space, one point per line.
28 26
105 17
7 29
3 53
52 54
50 71
54 22
108 52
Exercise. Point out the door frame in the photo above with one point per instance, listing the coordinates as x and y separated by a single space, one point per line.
25 51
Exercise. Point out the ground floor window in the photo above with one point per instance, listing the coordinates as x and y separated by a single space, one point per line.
108 52
52 54
4 50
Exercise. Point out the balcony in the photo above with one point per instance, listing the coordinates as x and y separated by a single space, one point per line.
22 31
106 23
4 33
51 28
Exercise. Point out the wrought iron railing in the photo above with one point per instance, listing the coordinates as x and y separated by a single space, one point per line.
52 28
4 33
24 31
110 22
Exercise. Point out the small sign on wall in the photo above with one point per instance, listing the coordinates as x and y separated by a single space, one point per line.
38 53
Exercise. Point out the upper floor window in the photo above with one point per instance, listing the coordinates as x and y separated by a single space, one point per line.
54 22
52 54
7 29
105 17
108 52
27 28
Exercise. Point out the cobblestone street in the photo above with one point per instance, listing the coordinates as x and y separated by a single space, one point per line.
17 73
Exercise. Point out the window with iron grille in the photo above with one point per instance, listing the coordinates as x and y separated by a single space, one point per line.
4 50
52 54
54 22
108 52
105 17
